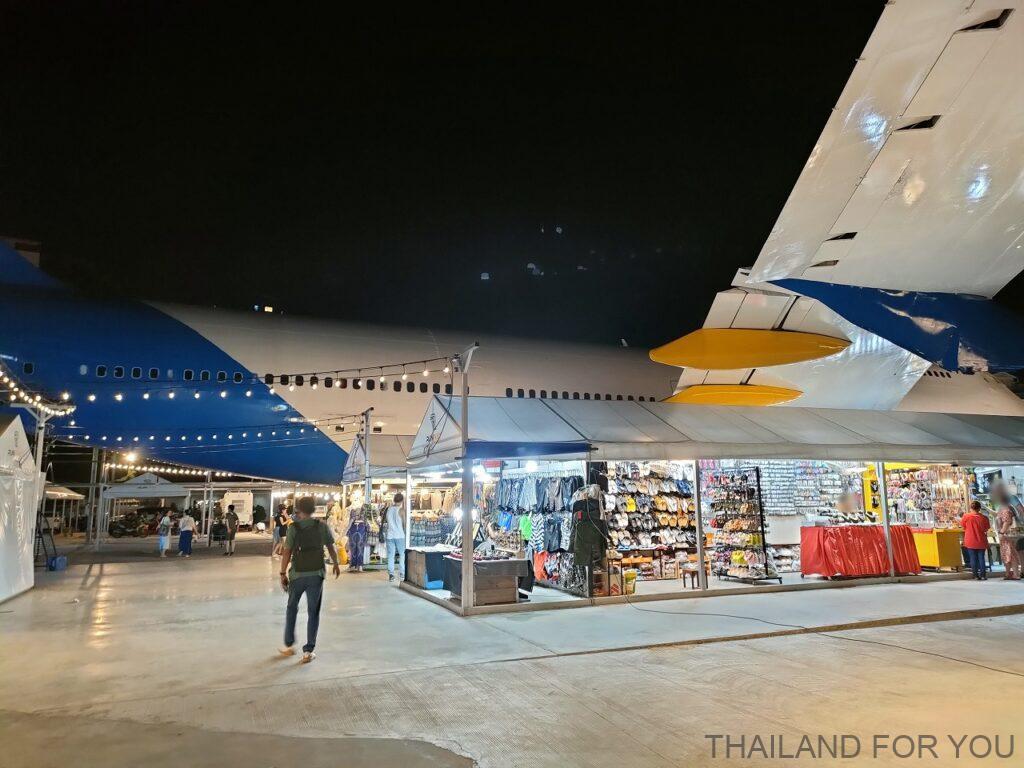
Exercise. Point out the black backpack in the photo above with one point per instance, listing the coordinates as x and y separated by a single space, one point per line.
309 547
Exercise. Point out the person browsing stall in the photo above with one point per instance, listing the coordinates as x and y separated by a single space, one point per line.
303 573
976 526
395 539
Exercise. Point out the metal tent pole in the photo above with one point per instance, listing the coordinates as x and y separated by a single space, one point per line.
463 362
883 495
702 574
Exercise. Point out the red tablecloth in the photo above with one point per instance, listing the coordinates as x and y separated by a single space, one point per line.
856 550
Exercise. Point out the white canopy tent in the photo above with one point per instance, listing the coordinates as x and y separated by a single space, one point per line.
146 486
388 457
18 504
612 430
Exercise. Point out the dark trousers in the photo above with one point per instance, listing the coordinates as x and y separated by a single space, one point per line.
313 588
185 542
976 559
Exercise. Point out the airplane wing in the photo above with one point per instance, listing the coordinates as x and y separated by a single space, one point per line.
917 181
911 198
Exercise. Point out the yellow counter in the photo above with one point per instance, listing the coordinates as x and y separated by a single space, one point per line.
940 547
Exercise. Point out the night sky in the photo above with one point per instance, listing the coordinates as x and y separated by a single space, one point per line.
371 165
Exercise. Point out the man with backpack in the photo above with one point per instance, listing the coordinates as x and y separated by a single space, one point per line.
304 552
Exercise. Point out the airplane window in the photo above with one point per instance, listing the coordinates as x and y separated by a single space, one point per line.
342 383
300 380
371 383
447 389
423 386
357 384
29 368
437 388
533 393
170 373
190 374
543 394
136 373
618 397
328 382
629 397
565 395
101 370
508 391
118 371
83 370
204 375
222 376
641 398
554 394
154 373
520 393
410 386
575 395
397 386
586 395
238 377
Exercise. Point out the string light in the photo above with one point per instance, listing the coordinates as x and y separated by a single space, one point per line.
170 395
223 393
145 395
196 394
248 392
36 401
119 397
91 398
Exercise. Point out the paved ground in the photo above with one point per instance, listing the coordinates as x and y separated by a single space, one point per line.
150 662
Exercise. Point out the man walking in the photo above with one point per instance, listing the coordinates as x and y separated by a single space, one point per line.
304 553
395 539
231 520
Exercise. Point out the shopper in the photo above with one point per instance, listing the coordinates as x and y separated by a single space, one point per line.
1008 524
279 525
303 573
395 537
163 532
186 530
231 520
976 526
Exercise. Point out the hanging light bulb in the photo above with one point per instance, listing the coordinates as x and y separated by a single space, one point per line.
170 395
447 369
291 387
167 439
71 423
248 392
272 390
119 397
65 396
145 395
404 375
196 394
231 437
383 378
426 371
223 393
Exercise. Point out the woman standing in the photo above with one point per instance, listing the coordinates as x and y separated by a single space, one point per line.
163 532
1009 534
976 527
186 528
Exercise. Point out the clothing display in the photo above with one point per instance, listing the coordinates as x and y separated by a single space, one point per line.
737 518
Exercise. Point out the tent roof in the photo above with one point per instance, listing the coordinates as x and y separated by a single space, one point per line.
388 457
613 430
146 486
60 492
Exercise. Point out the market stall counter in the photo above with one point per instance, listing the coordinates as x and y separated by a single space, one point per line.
495 581
850 551
940 547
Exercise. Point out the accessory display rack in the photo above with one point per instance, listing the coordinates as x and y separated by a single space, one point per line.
737 517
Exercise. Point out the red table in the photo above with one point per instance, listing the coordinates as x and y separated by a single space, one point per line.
856 550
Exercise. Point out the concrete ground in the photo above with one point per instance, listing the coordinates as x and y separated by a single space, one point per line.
130 660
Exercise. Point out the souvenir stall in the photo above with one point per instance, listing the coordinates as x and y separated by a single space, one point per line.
931 499
783 492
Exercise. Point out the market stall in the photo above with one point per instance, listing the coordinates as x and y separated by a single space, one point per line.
812 466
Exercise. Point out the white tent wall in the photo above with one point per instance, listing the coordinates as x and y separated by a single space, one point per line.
18 503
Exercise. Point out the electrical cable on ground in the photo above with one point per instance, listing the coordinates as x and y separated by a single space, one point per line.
811 630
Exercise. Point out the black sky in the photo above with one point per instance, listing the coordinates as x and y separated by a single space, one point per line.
372 163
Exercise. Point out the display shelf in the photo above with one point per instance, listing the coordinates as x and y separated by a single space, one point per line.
737 517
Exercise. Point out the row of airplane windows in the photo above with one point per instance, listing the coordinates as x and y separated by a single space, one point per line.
554 395
120 372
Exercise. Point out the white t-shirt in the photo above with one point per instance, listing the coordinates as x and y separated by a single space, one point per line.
395 528
187 523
